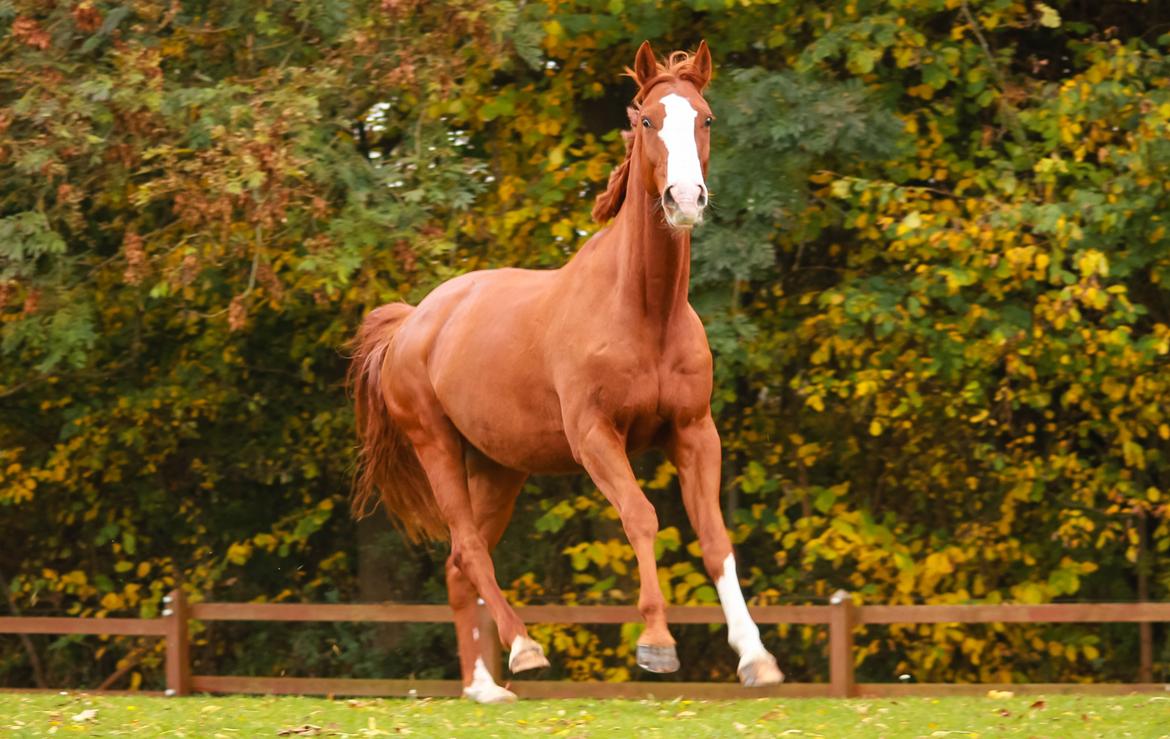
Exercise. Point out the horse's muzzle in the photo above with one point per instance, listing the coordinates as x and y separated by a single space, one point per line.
683 204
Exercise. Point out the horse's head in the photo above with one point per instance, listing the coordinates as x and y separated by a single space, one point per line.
673 123
670 139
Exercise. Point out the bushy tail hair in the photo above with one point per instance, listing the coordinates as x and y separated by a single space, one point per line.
388 468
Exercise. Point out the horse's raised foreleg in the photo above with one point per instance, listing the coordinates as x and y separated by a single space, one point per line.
493 496
602 452
695 451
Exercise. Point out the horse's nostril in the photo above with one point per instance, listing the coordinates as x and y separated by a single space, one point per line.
702 197
668 198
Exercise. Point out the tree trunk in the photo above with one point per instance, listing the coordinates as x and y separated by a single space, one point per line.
378 545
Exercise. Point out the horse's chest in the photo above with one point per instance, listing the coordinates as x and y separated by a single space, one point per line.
643 390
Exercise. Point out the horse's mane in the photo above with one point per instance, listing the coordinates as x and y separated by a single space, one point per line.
678 66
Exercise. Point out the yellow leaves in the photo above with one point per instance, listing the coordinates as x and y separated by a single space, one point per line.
1049 17
923 91
864 388
239 553
74 578
1092 262
938 563
563 229
553 29
875 427
1134 454
265 541
668 539
911 221
112 601
816 402
556 158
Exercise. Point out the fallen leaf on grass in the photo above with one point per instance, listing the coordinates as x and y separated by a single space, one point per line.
88 714
302 730
1039 705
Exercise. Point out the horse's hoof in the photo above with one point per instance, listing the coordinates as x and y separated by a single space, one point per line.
657 659
760 672
489 694
526 655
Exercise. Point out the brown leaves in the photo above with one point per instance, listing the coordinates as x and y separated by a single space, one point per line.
302 730
86 17
135 258
32 302
29 32
237 313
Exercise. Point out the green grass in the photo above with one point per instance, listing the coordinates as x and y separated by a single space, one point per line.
24 715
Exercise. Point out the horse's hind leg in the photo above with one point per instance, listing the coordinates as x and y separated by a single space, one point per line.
493 496
440 451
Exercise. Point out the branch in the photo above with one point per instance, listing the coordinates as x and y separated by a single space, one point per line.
127 663
1011 120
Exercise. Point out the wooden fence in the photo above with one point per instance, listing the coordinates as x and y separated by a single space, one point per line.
841 617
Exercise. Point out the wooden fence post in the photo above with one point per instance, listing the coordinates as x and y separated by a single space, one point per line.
489 641
842 619
178 647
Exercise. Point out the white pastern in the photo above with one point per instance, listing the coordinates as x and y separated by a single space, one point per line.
742 632
678 133
483 688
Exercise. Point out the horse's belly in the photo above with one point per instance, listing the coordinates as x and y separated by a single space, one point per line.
540 450
516 422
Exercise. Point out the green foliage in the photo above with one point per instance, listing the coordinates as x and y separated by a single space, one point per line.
934 280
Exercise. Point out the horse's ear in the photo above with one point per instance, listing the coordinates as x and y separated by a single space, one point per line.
645 67
701 62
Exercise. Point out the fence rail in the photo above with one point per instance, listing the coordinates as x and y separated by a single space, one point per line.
841 616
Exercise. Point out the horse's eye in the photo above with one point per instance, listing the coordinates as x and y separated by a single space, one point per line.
707 122
646 123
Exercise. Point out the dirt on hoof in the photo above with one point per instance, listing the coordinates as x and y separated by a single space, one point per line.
761 673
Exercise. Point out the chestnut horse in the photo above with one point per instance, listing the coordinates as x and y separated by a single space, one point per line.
499 374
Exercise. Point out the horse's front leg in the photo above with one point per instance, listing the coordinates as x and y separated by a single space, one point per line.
695 451
602 452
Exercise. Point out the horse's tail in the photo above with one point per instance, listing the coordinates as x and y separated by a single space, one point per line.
387 466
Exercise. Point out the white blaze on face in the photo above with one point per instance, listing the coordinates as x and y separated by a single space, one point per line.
682 153
742 632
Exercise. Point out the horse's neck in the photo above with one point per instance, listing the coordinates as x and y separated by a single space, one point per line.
654 261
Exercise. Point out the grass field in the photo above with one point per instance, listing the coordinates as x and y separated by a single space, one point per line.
23 715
